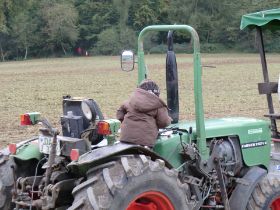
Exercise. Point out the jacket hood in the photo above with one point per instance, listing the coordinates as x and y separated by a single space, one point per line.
144 101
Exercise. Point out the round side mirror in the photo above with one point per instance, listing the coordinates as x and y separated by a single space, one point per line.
127 60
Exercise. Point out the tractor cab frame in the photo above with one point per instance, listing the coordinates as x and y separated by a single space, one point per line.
261 21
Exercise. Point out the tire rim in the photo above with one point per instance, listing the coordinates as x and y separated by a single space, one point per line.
275 205
151 200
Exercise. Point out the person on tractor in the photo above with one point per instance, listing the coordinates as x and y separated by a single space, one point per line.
143 114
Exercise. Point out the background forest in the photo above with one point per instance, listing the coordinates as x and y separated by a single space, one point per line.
52 28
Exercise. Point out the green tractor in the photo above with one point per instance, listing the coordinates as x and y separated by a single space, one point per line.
202 164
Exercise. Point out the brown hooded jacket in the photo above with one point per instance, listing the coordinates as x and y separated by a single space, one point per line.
141 116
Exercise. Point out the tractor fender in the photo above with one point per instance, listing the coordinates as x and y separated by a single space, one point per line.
242 192
101 155
28 151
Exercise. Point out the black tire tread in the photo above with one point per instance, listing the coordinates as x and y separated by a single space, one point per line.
109 180
6 182
264 193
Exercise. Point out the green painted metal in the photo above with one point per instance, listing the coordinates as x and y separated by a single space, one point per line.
142 74
114 128
169 147
266 19
34 117
248 130
114 125
28 152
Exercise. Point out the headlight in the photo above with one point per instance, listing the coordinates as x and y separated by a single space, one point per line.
88 109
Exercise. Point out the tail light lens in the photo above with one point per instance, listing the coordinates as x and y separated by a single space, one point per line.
25 119
75 154
13 149
29 118
103 128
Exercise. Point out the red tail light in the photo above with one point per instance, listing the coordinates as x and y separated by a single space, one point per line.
13 149
74 155
103 128
25 119
30 118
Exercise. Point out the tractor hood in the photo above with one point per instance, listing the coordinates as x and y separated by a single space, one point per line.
266 19
231 126
253 134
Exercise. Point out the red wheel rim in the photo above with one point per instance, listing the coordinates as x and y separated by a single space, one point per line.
275 205
151 200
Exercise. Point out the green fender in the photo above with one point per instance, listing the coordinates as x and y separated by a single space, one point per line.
28 152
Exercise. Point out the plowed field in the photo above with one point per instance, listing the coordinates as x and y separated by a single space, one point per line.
229 89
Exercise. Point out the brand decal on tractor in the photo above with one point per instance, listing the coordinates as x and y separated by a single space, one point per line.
254 131
253 144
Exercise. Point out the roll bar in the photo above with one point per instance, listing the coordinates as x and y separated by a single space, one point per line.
142 74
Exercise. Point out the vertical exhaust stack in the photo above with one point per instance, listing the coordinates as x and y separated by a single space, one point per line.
172 80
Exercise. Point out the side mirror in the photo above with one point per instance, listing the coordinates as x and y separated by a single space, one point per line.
127 60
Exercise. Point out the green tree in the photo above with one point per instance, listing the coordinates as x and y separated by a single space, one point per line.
127 36
94 17
108 42
4 32
45 27
23 31
144 16
60 25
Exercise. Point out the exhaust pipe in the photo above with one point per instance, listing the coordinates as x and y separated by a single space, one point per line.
172 80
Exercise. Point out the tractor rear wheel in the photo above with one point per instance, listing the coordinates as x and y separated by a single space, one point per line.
132 183
6 182
266 194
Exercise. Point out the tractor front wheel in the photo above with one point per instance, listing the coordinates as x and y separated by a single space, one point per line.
132 183
6 182
266 194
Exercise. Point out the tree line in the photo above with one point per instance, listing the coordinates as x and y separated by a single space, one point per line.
51 28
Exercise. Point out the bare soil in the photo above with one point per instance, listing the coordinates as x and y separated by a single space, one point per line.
229 89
